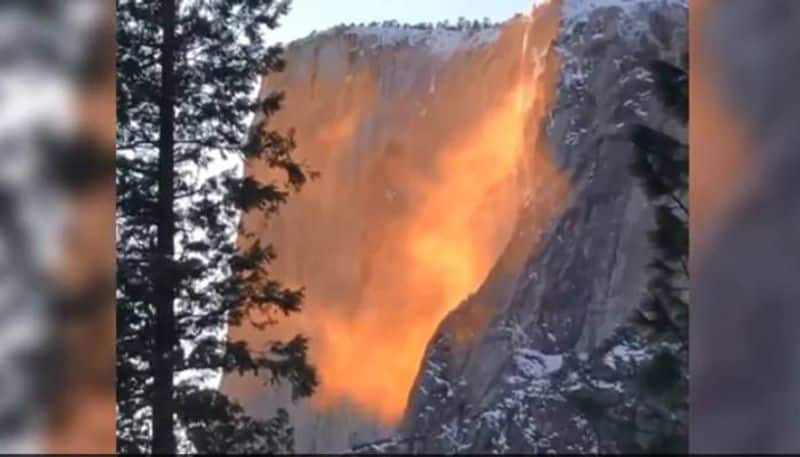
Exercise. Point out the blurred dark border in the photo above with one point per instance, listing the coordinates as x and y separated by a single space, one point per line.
745 185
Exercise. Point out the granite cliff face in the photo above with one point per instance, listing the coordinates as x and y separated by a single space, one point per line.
554 323
476 239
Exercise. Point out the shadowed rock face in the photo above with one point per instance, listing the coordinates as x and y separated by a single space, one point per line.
475 214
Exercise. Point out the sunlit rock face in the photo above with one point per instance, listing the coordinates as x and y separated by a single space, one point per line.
470 180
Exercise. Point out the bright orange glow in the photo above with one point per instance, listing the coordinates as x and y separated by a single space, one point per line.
339 131
371 353
409 215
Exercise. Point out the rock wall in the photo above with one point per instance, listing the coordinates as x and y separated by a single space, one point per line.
418 135
475 222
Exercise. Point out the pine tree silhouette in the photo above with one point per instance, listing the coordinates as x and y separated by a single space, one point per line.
187 72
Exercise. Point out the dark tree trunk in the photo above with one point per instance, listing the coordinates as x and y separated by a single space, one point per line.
165 337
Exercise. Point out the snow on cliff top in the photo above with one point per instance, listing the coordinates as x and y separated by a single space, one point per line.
442 41
446 40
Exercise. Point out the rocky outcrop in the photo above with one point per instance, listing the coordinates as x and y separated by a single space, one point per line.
476 237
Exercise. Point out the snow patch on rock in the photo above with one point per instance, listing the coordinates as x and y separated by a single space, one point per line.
575 11
442 42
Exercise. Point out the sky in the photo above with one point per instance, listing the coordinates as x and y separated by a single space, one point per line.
309 15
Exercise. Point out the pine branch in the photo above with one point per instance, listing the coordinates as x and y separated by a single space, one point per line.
680 204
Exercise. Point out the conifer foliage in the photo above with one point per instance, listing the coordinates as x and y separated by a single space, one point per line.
662 166
187 75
